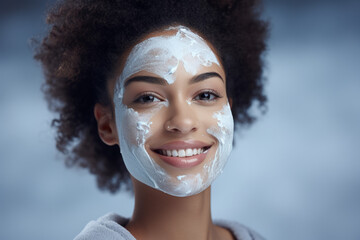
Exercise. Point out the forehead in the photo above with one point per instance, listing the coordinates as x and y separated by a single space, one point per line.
184 35
161 52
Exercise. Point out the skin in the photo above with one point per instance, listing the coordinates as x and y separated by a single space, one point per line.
158 215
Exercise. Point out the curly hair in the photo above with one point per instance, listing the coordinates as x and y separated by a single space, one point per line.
86 39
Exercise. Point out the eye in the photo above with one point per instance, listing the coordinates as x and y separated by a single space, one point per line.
207 96
146 98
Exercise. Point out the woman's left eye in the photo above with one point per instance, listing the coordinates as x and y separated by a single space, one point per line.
207 96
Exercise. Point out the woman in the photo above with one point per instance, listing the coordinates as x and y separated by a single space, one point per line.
161 82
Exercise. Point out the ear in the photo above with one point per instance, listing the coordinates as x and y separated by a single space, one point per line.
106 124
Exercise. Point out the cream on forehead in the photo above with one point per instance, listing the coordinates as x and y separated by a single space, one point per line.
161 55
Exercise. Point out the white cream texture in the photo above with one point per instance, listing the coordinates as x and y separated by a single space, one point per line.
161 55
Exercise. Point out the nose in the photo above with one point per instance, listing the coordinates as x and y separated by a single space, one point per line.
181 119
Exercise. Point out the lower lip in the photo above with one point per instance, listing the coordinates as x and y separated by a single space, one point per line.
184 162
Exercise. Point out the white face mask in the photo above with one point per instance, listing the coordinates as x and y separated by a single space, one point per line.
161 56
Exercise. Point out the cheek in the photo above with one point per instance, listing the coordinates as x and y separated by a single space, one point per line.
135 126
207 117
153 124
138 126
224 128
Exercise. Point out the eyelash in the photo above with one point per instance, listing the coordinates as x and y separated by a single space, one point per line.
212 93
142 98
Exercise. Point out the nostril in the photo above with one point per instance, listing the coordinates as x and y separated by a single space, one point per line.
184 121
180 129
181 126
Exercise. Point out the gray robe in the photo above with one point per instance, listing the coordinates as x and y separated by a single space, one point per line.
110 227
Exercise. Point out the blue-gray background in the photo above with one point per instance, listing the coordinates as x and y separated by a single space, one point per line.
294 175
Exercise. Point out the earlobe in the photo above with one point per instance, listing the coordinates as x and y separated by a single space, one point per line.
106 124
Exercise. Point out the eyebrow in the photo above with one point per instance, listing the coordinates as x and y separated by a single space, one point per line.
160 81
205 76
148 79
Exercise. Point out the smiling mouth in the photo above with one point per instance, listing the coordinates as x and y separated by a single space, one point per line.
182 153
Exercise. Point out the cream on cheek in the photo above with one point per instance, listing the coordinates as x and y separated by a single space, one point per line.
161 55
223 132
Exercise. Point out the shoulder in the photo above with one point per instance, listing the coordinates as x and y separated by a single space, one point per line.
240 231
109 227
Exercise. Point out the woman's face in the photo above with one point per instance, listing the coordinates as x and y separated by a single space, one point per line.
173 119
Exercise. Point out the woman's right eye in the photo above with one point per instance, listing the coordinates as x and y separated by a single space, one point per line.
146 98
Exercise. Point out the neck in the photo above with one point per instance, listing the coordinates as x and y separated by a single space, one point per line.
158 215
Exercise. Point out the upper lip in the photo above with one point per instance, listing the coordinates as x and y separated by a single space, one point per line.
183 145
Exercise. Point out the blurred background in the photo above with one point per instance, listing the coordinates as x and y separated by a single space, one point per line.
294 175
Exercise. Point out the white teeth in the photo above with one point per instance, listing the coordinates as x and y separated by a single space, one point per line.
189 152
174 153
182 152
